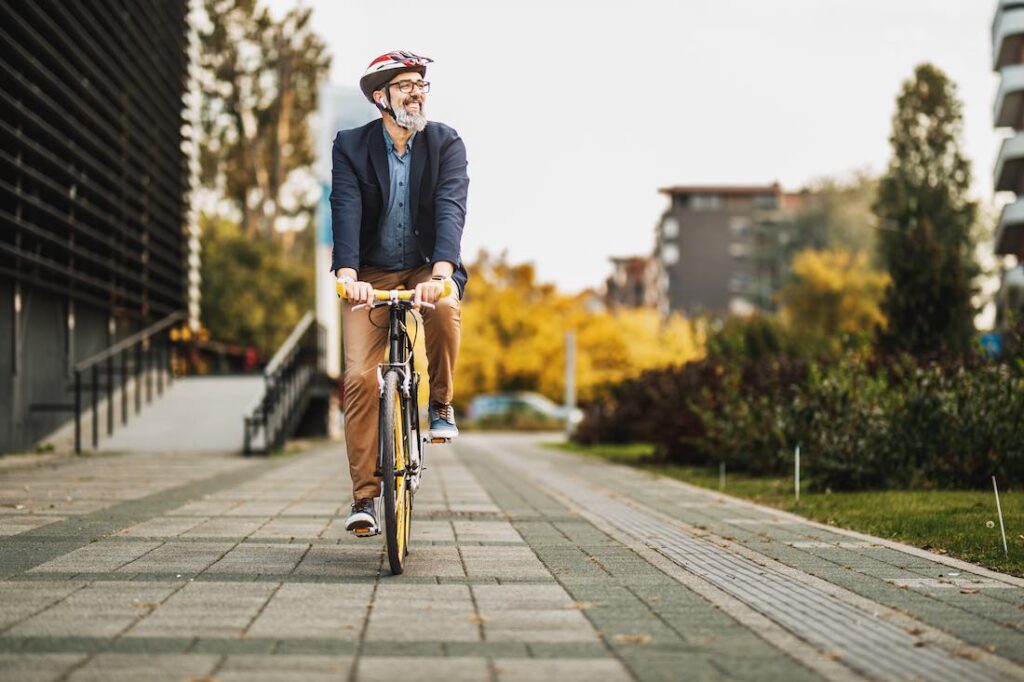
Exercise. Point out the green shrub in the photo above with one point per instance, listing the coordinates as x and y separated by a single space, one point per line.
859 427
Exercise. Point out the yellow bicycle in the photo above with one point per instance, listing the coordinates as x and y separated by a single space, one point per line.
399 444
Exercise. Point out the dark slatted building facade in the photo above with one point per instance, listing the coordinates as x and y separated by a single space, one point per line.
93 182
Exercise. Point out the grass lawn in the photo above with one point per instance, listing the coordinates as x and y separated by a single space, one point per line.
953 522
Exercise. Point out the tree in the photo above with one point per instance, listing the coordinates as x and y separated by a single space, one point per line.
253 294
925 221
834 295
837 214
513 336
259 81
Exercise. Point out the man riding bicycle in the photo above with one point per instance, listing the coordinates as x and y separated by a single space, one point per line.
398 208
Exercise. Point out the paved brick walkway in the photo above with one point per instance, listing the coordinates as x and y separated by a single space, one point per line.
527 564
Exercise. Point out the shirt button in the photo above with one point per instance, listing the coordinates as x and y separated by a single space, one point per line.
416 232
401 205
401 184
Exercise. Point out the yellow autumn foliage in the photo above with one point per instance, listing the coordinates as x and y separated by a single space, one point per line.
514 328
834 293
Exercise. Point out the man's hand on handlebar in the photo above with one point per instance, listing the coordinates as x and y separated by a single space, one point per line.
428 292
356 292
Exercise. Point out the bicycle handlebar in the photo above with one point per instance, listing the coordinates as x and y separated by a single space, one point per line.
383 295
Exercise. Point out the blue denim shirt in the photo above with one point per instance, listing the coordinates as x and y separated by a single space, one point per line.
398 249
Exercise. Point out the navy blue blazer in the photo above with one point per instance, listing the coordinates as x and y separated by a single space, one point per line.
438 186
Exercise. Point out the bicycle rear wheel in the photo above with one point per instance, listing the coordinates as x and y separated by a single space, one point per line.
394 458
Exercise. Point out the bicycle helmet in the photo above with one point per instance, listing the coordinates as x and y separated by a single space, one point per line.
387 66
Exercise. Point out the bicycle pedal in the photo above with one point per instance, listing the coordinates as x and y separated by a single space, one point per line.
365 532
440 440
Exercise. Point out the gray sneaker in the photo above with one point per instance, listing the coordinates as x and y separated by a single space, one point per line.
363 519
442 421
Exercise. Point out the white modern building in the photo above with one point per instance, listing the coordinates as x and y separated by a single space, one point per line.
1008 114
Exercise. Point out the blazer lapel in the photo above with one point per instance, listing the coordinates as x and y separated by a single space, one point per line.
379 160
419 163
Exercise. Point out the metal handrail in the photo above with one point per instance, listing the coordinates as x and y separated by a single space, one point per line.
287 379
289 344
147 359
129 341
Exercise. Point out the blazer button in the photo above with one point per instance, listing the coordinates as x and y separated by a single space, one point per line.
416 232
426 259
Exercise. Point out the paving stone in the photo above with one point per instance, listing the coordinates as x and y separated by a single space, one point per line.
22 599
501 562
563 670
285 668
98 610
163 527
129 668
259 559
373 669
358 560
14 524
324 611
292 527
213 610
37 667
98 557
486 531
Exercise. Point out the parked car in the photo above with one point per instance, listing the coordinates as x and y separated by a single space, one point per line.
519 410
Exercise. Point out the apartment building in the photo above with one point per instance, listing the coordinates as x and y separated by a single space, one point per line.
1008 114
721 248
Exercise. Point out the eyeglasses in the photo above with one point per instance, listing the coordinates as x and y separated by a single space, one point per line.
407 86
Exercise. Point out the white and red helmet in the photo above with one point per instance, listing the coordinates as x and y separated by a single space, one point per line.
387 66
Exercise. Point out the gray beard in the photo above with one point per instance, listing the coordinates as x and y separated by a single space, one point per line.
415 122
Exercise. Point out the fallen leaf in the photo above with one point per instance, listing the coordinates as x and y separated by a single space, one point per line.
479 620
581 605
915 631
832 655
918 643
968 590
991 648
632 639
139 604
967 655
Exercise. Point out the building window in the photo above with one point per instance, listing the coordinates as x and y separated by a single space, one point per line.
740 306
765 201
669 228
740 226
705 202
739 250
669 254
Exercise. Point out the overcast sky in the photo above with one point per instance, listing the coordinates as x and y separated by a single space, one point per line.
575 112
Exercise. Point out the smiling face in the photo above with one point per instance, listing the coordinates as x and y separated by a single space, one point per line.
408 106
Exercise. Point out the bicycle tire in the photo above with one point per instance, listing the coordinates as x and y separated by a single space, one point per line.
397 503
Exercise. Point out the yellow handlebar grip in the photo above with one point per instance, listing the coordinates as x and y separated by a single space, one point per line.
403 295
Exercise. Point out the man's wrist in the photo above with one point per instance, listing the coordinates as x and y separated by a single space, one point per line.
443 268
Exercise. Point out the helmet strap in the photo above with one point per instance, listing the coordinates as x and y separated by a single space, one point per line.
386 108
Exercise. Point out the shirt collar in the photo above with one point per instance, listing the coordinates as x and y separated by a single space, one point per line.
391 143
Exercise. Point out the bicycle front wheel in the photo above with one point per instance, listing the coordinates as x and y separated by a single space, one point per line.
394 458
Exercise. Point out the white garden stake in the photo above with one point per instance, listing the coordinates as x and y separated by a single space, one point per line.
796 477
999 509
721 475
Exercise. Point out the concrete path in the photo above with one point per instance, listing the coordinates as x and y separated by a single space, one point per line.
196 414
527 564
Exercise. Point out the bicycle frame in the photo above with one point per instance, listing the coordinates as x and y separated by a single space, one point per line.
400 359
